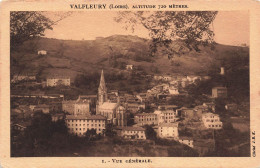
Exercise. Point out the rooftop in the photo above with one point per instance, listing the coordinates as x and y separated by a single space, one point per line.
141 114
168 125
85 117
108 106
133 129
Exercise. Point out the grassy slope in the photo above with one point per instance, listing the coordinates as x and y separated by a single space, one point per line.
70 57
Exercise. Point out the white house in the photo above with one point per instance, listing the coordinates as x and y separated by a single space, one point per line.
187 141
211 121
173 90
42 52
168 130
133 133
166 116
129 67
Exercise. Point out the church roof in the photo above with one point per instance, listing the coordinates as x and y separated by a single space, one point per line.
102 84
108 106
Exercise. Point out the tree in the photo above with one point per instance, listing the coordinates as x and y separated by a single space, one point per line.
90 134
164 27
150 133
26 25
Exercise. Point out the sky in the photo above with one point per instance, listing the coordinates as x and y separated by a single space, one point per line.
230 27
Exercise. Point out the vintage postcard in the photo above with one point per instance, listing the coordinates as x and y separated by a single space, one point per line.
130 83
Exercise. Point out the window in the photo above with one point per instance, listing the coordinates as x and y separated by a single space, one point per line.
76 124
95 125
80 129
71 124
99 125
83 124
76 128
84 129
68 124
87 125
79 124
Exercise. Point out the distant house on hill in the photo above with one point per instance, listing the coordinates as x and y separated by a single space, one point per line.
186 140
57 80
24 77
129 67
219 92
42 52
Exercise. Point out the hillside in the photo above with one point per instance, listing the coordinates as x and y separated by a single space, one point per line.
69 57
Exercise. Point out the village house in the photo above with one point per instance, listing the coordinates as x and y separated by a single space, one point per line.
211 121
42 107
21 126
186 140
166 116
142 97
211 106
142 119
219 92
133 133
121 117
92 101
76 107
56 117
231 107
42 52
193 78
187 113
80 124
173 90
24 77
168 130
57 80
129 67
135 107
184 83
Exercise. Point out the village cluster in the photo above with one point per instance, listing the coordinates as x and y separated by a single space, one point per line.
116 108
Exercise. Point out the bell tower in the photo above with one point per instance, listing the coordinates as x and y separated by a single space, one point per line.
102 90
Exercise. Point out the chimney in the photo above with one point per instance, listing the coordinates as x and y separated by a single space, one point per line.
222 71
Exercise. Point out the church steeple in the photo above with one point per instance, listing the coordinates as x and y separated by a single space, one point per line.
102 90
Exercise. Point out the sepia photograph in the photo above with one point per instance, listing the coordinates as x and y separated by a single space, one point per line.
129 84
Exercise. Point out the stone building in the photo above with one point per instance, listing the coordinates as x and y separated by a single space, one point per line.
76 107
142 119
211 121
80 124
168 130
56 80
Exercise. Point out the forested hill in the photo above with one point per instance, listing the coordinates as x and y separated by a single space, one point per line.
70 57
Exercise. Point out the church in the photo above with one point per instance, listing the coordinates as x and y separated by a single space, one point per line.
114 112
